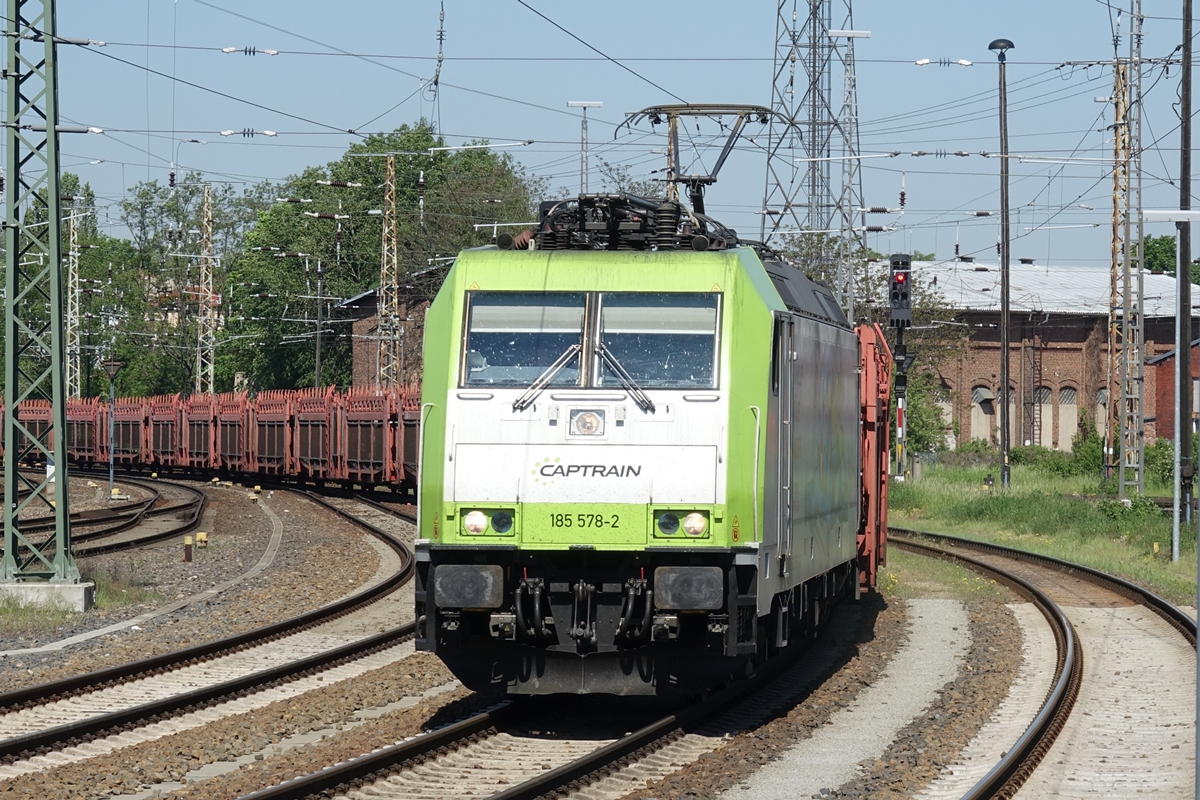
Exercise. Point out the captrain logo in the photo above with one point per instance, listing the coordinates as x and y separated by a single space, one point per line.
590 470
548 471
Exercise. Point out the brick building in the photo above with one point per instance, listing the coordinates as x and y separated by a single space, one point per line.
1164 392
363 309
1058 336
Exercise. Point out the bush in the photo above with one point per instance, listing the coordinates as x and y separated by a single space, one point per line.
1053 462
1160 460
1087 451
972 453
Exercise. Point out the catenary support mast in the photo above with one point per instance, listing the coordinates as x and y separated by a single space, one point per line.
74 361
389 286
33 301
208 318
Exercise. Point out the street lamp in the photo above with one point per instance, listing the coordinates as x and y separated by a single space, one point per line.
1002 46
583 154
111 368
174 161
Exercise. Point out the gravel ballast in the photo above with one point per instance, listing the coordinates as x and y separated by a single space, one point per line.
919 751
171 758
864 728
321 558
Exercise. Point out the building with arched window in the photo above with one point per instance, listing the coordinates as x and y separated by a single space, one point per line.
1060 372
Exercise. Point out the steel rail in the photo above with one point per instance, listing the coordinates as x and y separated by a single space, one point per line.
1173 615
388 508
391 757
194 508
128 515
1018 763
131 515
80 684
24 746
361 769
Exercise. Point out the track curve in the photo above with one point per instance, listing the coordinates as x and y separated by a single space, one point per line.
153 687
1077 588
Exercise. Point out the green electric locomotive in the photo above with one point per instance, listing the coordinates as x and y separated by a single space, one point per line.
650 454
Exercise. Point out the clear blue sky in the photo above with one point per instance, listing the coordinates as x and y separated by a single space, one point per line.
508 75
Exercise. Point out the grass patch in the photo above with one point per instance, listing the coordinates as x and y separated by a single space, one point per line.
1054 516
117 586
120 585
21 620
910 576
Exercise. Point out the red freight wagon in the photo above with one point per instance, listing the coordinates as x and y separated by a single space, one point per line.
408 437
131 443
35 416
318 422
370 436
87 431
272 452
200 432
166 422
233 427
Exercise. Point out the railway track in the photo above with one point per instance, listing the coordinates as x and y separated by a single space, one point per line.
529 747
1120 647
520 749
127 698
169 509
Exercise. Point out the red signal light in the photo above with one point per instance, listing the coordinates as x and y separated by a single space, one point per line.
901 277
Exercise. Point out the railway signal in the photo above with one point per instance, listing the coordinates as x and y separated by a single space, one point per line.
900 299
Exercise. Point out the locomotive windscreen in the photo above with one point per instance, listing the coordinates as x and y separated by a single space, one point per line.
513 337
663 340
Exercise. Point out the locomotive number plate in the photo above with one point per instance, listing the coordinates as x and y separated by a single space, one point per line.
585 520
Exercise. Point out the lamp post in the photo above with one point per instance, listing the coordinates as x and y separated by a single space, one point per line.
1001 46
111 368
583 154
179 144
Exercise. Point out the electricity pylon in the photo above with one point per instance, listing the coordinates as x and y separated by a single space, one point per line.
33 299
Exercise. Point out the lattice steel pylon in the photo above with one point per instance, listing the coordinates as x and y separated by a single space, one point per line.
33 298
1126 337
74 349
389 286
799 187
208 318
851 214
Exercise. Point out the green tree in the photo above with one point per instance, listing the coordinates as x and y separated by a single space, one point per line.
1159 253
620 178
156 291
273 298
926 426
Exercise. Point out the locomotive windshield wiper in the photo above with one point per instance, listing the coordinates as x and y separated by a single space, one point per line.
526 398
635 391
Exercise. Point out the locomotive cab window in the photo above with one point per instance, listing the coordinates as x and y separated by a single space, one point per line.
663 340
514 337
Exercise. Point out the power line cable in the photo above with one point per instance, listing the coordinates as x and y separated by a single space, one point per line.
370 60
597 50
220 94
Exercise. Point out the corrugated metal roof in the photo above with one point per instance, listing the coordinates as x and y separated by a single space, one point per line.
1059 289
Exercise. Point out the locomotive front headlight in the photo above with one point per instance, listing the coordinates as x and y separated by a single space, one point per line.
502 522
668 523
475 522
587 422
694 524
